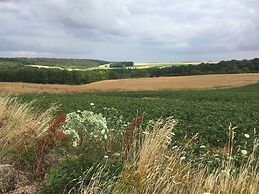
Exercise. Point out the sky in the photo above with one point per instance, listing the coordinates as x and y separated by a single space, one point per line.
137 30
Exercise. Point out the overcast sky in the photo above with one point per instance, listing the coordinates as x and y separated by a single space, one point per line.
138 30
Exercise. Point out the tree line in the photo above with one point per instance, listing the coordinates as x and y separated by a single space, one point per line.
65 63
23 73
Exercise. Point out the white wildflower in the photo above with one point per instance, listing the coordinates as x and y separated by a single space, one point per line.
182 158
247 136
244 152
75 143
86 123
92 104
106 157
117 154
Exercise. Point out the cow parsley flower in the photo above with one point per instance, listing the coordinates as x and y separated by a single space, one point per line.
244 152
247 136
182 158
85 124
92 104
116 154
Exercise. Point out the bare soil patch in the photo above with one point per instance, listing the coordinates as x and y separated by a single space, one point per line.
138 84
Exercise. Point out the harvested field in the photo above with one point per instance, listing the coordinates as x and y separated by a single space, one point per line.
139 84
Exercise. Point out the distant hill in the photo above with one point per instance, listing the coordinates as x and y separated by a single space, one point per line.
26 70
66 63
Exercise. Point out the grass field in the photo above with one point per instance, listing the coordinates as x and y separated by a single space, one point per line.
139 84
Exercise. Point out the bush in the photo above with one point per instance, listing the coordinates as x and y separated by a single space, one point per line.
71 172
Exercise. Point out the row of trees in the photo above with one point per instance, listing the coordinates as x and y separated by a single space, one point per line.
20 73
123 64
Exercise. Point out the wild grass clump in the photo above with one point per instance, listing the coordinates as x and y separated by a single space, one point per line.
20 122
156 168
28 136
29 142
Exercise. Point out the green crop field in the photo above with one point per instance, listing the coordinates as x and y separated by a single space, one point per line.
207 112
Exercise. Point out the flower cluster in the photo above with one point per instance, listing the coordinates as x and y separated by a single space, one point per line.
85 123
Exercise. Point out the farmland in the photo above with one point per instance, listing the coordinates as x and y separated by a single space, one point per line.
196 128
139 84
167 64
13 70
118 135
207 112
129 97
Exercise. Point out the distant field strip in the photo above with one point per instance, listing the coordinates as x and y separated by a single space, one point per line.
139 84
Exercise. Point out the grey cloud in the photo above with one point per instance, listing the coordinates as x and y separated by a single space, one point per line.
140 30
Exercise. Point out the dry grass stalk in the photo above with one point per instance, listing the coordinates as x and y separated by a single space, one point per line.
160 170
20 122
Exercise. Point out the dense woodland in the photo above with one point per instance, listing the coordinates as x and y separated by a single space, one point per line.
18 71
65 63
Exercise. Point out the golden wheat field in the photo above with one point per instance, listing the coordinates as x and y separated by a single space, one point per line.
139 84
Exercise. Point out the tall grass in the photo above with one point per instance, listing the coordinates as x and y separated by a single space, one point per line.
156 168
20 122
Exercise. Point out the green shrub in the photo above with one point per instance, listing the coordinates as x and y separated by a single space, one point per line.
73 170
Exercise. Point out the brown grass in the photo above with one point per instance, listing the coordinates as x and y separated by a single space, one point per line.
139 84
15 182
